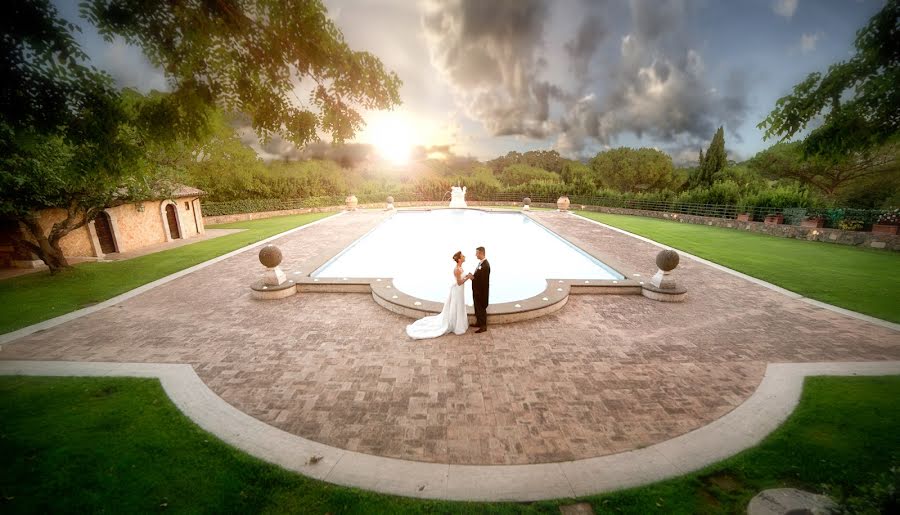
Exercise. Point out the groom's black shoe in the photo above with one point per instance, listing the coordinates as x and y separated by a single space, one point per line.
481 330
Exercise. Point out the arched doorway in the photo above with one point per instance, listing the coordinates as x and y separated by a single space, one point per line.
172 218
103 226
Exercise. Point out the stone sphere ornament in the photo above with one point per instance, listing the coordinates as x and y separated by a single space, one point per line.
667 260
563 203
390 200
274 283
662 286
527 201
270 256
352 202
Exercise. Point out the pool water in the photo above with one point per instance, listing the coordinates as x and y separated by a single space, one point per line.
415 248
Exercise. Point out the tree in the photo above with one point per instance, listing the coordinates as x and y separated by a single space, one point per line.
860 97
247 55
712 164
824 173
69 140
629 170
518 174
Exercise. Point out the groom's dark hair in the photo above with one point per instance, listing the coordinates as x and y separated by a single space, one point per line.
480 248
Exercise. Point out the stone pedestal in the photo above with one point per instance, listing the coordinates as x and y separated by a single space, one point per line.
274 276
274 284
662 285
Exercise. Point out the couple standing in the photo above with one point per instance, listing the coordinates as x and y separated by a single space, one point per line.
453 317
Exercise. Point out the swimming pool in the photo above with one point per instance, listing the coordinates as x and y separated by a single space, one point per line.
415 248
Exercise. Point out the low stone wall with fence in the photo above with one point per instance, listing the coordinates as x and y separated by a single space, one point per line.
856 238
826 235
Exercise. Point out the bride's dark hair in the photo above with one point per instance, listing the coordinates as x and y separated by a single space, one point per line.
457 256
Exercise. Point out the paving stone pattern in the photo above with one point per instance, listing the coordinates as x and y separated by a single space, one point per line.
605 374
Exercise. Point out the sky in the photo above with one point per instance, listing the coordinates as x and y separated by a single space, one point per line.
485 77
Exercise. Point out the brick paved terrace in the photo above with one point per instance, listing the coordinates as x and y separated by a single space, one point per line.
607 373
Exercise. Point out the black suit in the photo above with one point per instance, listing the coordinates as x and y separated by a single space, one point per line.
481 283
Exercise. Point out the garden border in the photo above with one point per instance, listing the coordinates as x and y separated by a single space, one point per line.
745 426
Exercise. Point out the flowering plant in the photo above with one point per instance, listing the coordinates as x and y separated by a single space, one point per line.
891 217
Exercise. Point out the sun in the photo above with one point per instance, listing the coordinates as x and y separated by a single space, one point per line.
392 137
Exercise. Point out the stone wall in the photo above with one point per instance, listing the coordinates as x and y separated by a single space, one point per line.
856 238
134 228
76 243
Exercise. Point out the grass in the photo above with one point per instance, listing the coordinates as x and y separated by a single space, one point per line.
119 445
40 296
859 279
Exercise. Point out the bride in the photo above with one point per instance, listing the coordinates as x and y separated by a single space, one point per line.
453 317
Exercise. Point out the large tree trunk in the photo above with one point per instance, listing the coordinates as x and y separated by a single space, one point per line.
40 244
46 246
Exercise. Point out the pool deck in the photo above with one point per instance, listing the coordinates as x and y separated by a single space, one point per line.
605 374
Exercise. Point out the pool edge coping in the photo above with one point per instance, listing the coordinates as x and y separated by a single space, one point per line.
551 299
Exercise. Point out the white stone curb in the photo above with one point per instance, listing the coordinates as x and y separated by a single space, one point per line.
779 289
745 426
53 322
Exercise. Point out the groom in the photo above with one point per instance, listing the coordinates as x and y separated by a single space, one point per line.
480 285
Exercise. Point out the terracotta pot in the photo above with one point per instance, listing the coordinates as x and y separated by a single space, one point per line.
352 202
816 223
563 203
774 219
743 217
884 229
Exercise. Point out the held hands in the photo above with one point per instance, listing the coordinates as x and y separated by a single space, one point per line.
469 276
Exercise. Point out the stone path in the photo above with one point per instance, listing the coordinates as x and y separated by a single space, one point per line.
605 374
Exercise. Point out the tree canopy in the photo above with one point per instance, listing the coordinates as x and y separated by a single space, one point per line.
248 56
712 163
627 169
859 99
825 173
69 139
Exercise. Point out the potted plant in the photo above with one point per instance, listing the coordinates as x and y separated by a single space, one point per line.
887 222
815 222
774 219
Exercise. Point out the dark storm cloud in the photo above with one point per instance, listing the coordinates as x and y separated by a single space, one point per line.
583 47
495 56
490 51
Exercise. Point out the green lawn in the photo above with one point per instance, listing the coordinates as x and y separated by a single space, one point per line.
117 445
36 297
860 279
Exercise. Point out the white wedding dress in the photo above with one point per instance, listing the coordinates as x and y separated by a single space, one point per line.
451 319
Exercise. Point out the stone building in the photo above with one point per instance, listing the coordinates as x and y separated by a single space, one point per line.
123 228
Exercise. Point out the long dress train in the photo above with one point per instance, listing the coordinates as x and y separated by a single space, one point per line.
452 317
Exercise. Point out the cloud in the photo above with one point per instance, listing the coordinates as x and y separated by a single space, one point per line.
130 68
494 55
785 8
808 42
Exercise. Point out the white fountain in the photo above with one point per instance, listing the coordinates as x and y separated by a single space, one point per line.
458 196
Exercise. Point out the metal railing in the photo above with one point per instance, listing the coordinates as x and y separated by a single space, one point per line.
832 217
